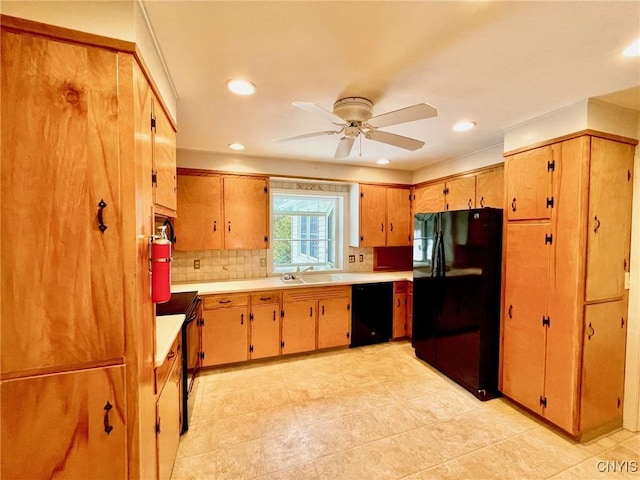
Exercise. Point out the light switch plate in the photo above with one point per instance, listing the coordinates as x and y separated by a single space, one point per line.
361 257
263 262
196 264
352 259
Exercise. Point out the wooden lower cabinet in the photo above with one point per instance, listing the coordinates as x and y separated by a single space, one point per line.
299 326
225 335
168 418
265 331
409 329
334 321
400 309
67 425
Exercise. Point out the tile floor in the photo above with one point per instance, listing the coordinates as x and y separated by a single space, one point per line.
375 412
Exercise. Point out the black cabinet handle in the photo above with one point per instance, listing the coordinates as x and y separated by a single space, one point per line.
382 227
229 225
513 204
469 203
107 427
215 225
322 309
482 202
224 301
171 355
242 319
510 312
265 298
101 206
595 229
274 315
311 311
591 332
391 227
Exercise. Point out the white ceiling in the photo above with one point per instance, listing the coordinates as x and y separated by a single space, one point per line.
497 63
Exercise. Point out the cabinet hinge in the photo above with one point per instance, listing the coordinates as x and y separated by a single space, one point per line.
348 334
409 196
409 237
348 306
153 123
548 238
361 238
546 321
158 426
251 317
543 401
619 402
622 322
549 202
551 166
445 191
251 349
361 194
154 177
266 238
282 344
202 355
628 175
281 313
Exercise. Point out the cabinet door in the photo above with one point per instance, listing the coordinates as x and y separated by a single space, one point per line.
429 198
265 331
605 332
199 223
409 327
609 224
224 336
461 193
334 322
399 314
168 422
398 217
62 288
299 327
490 189
164 160
373 215
246 212
54 425
525 303
528 177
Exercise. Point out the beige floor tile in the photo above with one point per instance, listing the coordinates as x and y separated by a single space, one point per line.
442 405
385 460
618 462
240 462
421 447
414 386
632 443
299 472
237 429
346 465
275 396
451 470
199 439
198 467
277 420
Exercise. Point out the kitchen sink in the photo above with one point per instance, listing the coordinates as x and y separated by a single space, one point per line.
321 278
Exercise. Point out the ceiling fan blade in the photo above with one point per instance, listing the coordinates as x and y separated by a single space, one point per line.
307 135
344 147
316 110
408 114
393 139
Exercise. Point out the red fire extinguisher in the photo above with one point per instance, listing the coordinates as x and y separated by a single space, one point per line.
161 267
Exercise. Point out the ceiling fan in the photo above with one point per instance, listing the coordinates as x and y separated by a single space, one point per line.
354 116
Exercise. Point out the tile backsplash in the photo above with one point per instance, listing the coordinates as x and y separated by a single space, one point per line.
240 264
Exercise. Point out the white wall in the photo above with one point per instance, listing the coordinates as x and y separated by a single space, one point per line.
280 167
452 166
120 19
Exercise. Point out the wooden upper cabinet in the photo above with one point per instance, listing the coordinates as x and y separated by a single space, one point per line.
490 189
529 183
373 215
609 226
199 223
62 289
460 193
429 198
55 425
246 212
399 220
164 160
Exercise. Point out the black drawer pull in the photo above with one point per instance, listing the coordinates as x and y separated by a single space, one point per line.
107 427
265 298
224 301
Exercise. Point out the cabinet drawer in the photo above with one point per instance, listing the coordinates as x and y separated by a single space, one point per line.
400 287
315 293
222 301
163 371
260 298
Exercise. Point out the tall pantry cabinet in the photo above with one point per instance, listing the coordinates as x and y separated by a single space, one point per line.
77 330
566 254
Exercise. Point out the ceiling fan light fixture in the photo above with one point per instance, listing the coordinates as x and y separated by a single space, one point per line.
241 87
464 126
383 161
236 146
633 50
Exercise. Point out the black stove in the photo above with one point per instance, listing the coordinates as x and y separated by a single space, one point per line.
187 303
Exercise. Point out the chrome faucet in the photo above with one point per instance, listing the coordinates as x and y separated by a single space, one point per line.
304 270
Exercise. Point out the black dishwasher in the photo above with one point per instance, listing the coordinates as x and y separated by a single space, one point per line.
372 313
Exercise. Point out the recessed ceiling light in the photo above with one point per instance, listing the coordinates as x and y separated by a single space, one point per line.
241 87
383 161
236 146
464 125
633 50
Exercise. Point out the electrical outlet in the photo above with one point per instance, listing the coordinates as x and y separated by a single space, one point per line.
352 259
263 262
361 257
196 264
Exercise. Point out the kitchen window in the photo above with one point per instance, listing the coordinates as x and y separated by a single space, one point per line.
306 230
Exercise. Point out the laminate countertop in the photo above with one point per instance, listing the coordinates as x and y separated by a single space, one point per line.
167 327
271 283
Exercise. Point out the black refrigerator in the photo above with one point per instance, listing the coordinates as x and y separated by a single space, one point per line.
457 263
